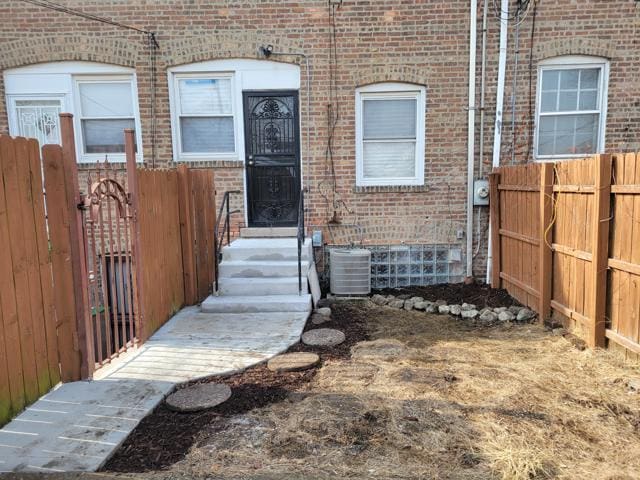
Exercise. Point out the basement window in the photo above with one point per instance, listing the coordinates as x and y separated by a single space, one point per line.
390 134
571 107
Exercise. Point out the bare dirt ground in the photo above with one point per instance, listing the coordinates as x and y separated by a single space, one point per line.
411 396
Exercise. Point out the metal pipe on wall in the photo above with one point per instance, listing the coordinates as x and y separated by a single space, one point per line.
473 24
497 133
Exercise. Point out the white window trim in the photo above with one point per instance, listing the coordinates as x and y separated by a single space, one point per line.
99 157
390 91
568 62
176 133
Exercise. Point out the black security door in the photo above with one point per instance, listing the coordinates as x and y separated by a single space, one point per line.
272 149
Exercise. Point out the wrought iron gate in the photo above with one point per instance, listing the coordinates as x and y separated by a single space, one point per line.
272 149
111 272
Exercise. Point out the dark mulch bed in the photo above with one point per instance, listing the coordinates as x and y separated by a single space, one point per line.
165 437
479 294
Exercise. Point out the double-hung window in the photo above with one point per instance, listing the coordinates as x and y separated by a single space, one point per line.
390 134
105 109
571 107
204 108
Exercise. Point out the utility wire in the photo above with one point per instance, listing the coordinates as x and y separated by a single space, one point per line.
61 8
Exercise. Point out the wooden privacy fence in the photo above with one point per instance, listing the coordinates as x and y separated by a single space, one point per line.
86 276
566 242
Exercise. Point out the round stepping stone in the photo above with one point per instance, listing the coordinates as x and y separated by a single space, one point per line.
326 311
323 337
293 362
317 319
198 397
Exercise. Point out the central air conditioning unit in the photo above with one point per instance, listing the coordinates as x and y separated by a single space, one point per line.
350 271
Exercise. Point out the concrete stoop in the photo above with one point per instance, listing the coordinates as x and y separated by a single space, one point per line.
261 275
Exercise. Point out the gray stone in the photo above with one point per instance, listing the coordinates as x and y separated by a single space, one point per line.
469 313
323 337
486 309
499 310
455 310
506 316
318 319
198 397
525 315
423 305
440 302
379 299
324 302
443 309
396 303
292 362
417 299
467 306
515 310
488 317
559 332
634 384
431 308
326 311
408 304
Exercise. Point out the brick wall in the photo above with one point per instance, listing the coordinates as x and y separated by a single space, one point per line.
424 42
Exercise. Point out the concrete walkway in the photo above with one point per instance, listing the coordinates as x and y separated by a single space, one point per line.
79 425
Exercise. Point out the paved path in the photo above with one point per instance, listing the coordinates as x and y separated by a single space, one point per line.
77 426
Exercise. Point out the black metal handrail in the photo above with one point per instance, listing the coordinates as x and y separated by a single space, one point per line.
301 238
219 239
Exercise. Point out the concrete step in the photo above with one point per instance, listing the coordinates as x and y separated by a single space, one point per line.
267 232
261 286
262 268
257 303
270 249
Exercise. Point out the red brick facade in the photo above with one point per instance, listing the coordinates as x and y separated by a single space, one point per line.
422 42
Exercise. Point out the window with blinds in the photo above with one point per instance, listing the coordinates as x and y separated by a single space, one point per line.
390 135
205 115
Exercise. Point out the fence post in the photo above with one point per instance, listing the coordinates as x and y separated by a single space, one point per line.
494 218
545 268
77 245
186 234
600 250
132 187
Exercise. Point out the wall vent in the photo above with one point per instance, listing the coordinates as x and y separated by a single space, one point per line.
350 271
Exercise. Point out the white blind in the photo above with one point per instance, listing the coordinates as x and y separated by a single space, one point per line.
106 99
105 136
207 134
205 96
387 118
389 160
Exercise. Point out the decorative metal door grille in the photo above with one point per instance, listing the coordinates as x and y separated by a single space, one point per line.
272 144
111 274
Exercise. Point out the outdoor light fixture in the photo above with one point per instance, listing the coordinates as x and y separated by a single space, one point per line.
266 51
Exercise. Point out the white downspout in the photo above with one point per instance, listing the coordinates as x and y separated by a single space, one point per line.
471 127
497 131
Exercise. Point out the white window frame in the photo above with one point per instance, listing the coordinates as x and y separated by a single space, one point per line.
84 157
391 91
569 62
174 101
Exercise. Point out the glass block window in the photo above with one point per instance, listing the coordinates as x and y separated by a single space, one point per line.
390 134
205 116
571 109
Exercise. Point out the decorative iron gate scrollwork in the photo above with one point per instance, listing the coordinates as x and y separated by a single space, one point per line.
110 266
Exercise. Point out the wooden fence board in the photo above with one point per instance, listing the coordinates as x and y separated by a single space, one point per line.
593 279
61 258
